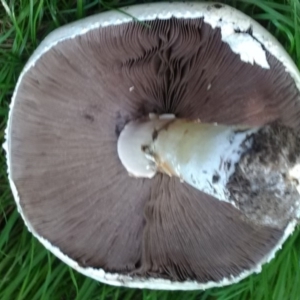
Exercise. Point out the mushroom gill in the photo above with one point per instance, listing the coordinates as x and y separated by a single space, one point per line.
70 109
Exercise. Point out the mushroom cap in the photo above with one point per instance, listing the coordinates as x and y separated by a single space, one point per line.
76 93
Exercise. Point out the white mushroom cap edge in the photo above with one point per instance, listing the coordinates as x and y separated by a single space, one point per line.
218 16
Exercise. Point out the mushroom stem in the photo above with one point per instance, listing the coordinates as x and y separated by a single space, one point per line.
256 169
202 155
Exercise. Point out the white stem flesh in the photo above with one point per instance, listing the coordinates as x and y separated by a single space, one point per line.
202 155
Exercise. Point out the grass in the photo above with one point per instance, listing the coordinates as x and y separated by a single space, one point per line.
27 270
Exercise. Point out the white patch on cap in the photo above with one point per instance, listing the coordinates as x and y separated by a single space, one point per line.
242 43
145 12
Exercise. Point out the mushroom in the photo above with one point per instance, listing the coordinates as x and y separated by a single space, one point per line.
99 174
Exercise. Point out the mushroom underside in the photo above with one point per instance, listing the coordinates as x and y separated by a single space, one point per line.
70 109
